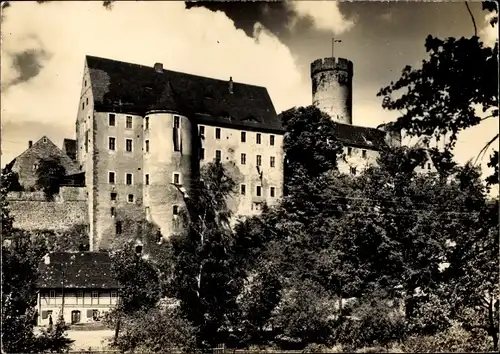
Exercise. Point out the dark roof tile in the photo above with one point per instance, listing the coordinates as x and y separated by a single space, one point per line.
77 270
136 89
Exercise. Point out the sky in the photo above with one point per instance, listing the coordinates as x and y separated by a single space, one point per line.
263 43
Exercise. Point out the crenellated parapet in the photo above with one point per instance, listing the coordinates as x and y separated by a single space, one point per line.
329 64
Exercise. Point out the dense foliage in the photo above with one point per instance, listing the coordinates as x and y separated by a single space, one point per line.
50 174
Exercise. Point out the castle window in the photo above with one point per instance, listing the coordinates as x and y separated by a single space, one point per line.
272 161
259 160
271 140
202 130
177 178
218 155
113 212
130 198
87 101
363 154
147 180
175 210
112 120
128 122
87 141
146 126
85 83
111 178
128 178
243 137
147 145
44 140
428 166
113 294
128 145
259 138
243 189
349 151
177 122
243 159
259 191
202 153
353 171
272 192
217 133
113 196
83 106
112 143
118 227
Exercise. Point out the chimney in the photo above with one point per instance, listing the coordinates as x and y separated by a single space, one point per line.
231 85
159 68
30 144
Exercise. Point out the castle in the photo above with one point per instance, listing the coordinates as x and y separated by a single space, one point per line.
143 133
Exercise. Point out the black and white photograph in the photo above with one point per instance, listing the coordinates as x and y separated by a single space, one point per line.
249 177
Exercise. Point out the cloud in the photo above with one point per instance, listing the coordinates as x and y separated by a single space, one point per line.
325 15
44 47
489 33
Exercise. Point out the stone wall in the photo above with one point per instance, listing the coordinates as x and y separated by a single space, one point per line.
31 211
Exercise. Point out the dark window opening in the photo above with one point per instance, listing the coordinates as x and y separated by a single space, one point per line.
146 126
272 192
259 137
177 139
217 133
147 145
130 198
259 160
118 227
272 161
128 145
112 120
243 137
128 122
243 189
112 144
147 180
259 191
349 151
175 210
202 153
177 178
271 140
129 179
113 212
111 177
243 159
202 130
363 154
113 196
353 171
177 122
218 155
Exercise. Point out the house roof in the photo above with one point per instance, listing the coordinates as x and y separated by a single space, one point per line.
136 89
363 137
76 270
69 147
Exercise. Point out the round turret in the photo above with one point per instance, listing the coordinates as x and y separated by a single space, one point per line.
332 87
167 168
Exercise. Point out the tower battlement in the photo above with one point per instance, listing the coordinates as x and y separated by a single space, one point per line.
328 64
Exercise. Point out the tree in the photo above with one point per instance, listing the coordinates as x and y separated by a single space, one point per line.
440 98
206 275
54 339
50 174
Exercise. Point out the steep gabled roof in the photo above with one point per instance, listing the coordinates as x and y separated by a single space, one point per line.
77 270
363 137
136 89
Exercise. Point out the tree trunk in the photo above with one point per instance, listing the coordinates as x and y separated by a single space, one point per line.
117 330
493 330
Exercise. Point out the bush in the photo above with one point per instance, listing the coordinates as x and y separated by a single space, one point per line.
454 339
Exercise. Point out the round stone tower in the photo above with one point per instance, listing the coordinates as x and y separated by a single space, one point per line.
332 87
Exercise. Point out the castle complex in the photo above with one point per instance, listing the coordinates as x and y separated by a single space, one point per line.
143 133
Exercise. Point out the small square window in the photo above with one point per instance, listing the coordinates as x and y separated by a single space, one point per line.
177 122
202 153
177 178
259 138
217 133
95 294
272 192
130 198
128 145
147 180
349 151
129 178
111 177
112 120
259 160
271 140
146 125
128 122
259 191
175 210
243 159
272 161
114 294
202 130
218 155
363 154
243 189
112 144
243 137
113 196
